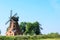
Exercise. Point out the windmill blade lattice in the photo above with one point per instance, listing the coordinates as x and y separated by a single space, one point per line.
7 22
10 18
15 14
10 14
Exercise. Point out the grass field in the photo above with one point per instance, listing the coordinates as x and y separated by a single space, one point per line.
37 37
48 39
43 39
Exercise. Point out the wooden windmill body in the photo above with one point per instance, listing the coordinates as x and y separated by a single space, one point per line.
14 28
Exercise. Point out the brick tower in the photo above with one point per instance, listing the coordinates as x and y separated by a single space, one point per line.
14 28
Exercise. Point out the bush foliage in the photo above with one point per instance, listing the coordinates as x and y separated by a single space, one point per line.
31 28
28 37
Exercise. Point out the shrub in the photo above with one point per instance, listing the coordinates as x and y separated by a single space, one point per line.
29 37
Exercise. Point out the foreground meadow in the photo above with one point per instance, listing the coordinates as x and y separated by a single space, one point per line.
48 39
30 37
44 39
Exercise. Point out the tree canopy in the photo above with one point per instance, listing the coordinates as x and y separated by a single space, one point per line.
31 28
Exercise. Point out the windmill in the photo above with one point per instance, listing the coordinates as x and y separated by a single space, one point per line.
13 28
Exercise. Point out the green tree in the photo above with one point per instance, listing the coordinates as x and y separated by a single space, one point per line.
37 28
29 29
23 26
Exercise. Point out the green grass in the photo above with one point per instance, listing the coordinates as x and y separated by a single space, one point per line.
48 39
25 37
43 39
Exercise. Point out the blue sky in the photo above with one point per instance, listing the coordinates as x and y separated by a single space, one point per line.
46 12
